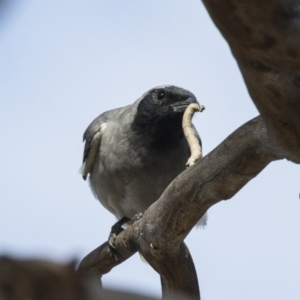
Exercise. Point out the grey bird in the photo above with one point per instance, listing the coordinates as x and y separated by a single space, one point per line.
133 153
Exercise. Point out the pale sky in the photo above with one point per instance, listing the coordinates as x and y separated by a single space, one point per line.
62 63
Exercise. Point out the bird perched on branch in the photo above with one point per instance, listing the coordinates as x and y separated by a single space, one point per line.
133 153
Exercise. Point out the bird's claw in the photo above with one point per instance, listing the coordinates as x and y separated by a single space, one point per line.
113 253
111 246
111 240
137 217
115 230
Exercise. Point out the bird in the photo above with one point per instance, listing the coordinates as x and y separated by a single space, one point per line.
131 154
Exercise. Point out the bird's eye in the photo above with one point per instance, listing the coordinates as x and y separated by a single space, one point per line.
161 95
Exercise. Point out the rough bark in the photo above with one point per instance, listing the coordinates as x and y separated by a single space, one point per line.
264 37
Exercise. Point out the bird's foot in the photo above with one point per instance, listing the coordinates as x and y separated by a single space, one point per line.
115 230
137 217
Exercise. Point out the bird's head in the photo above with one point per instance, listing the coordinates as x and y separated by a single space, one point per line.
166 101
160 111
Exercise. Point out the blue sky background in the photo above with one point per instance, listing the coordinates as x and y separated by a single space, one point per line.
62 63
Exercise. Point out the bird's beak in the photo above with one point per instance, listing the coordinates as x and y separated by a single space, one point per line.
182 105
190 100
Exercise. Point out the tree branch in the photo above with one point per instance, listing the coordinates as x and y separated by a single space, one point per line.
264 37
160 233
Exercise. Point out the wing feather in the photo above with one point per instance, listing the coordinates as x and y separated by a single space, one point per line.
92 138
90 153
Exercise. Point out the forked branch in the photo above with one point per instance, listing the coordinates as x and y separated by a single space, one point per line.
160 233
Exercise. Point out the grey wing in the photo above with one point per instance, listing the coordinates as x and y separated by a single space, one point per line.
92 138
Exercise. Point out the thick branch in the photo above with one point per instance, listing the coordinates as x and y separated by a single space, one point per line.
216 177
264 37
160 233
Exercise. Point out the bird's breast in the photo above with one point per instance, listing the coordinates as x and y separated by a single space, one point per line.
133 169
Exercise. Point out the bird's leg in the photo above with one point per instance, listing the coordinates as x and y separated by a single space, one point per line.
115 230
